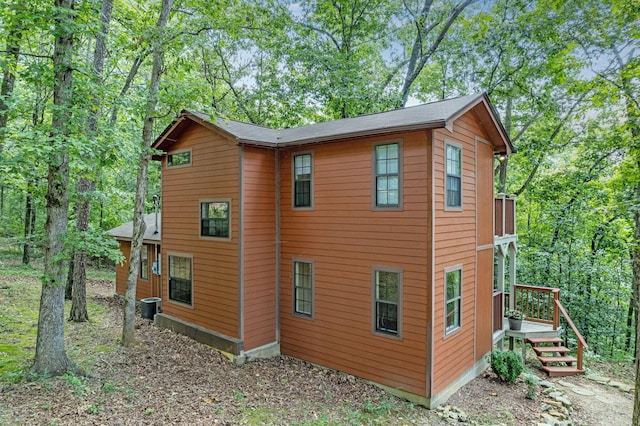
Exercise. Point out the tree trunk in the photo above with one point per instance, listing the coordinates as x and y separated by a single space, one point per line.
636 287
86 185
8 77
51 356
128 328
28 235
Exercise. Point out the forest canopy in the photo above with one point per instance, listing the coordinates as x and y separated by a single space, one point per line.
563 75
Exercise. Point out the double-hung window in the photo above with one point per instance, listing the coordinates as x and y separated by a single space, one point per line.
454 299
144 262
387 175
302 180
180 279
387 290
214 219
303 288
454 176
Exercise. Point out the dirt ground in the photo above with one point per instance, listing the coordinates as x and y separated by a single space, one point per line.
170 379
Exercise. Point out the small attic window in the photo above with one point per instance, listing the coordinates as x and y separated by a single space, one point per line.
179 159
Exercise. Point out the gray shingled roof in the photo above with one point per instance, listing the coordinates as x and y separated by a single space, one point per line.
432 115
125 231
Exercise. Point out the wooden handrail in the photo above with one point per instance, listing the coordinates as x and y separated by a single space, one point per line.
582 344
537 304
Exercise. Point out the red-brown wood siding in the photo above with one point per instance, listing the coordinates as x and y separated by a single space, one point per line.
259 247
346 239
484 296
213 175
144 288
455 243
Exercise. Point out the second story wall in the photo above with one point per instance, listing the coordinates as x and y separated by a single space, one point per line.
206 268
337 243
459 225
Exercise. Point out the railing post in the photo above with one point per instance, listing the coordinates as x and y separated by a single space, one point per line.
579 355
556 313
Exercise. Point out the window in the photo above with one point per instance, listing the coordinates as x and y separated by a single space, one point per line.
180 283
214 219
144 262
303 288
302 185
387 299
179 159
453 302
454 176
387 171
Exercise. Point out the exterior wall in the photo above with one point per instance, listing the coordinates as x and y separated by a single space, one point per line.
212 174
259 247
455 243
144 288
345 239
484 297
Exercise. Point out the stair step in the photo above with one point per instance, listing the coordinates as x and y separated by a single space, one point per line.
537 340
558 371
547 359
541 349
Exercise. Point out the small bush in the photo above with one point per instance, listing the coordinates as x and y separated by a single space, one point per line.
507 365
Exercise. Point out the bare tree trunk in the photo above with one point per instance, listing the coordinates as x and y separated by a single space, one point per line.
422 50
636 287
28 235
51 356
8 77
128 328
86 185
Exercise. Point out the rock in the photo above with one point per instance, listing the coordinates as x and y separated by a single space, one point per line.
565 384
558 415
622 386
599 379
546 384
553 403
583 391
555 394
564 401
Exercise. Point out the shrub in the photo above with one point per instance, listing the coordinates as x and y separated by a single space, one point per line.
507 365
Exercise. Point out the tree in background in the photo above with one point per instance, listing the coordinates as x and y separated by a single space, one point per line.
139 226
51 357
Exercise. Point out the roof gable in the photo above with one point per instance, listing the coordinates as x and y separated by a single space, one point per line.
440 114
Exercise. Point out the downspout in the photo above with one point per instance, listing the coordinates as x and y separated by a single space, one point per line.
277 218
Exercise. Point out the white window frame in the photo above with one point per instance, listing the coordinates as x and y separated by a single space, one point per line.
449 329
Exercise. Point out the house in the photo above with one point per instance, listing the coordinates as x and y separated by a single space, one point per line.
365 244
149 283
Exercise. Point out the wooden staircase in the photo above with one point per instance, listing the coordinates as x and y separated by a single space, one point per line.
558 363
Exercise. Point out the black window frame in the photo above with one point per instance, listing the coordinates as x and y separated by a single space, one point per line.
387 313
144 262
302 182
453 196
215 227
303 292
180 288
382 176
176 155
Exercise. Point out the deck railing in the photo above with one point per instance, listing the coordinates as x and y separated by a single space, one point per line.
538 304
582 344
542 304
505 215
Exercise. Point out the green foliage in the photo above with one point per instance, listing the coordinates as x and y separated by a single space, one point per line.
507 365
532 385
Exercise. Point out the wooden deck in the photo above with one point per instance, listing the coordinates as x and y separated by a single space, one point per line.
529 330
